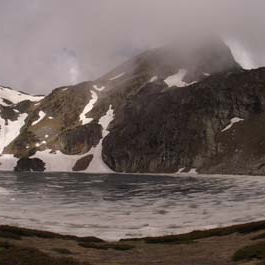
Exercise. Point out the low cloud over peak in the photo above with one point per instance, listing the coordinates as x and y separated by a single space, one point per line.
48 43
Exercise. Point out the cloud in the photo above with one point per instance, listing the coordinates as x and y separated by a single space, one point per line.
49 43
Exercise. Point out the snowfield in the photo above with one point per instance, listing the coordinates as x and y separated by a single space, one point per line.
232 122
177 79
15 96
97 164
117 77
41 117
153 79
7 162
88 108
59 162
10 130
99 88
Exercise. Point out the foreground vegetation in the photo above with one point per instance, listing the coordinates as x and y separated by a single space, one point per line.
232 245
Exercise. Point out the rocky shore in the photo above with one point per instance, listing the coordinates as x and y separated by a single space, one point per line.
240 244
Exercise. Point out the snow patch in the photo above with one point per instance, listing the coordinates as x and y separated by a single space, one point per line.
15 96
8 162
88 108
64 89
177 79
181 170
41 117
193 171
59 162
232 122
153 79
10 130
97 164
99 88
117 76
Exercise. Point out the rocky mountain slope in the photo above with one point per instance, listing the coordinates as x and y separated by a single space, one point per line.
167 110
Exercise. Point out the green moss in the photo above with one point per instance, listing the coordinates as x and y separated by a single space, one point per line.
256 251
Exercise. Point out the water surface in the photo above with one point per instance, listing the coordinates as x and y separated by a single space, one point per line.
121 206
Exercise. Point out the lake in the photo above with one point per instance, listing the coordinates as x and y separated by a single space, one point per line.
123 206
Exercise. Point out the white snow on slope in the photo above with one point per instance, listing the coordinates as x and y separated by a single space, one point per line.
193 171
10 131
180 170
15 96
97 164
232 122
59 162
41 117
153 79
117 76
177 79
88 108
99 88
8 162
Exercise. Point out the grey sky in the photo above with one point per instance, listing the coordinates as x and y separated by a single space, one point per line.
48 43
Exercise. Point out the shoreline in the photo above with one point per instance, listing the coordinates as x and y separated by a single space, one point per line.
139 174
227 246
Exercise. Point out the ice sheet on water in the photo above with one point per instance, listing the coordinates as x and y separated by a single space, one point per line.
119 206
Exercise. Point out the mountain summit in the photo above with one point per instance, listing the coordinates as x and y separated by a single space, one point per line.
166 110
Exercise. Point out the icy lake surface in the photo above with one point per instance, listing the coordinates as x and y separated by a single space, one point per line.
121 206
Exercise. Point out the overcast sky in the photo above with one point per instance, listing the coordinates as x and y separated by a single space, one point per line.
48 43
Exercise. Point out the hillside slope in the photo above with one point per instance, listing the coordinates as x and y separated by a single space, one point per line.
166 110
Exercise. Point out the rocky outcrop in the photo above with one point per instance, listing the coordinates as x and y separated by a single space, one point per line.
80 139
181 128
27 164
83 163
170 109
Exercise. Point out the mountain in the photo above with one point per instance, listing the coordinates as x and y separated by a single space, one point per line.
167 110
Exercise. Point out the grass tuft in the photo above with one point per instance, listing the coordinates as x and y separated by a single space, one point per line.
63 251
115 246
29 256
248 253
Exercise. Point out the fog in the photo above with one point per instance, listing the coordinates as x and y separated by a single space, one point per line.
48 43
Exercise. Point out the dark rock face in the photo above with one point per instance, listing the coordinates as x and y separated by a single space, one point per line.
27 164
80 139
165 130
83 163
8 113
156 128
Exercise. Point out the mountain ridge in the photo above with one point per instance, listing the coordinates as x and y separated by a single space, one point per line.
127 120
